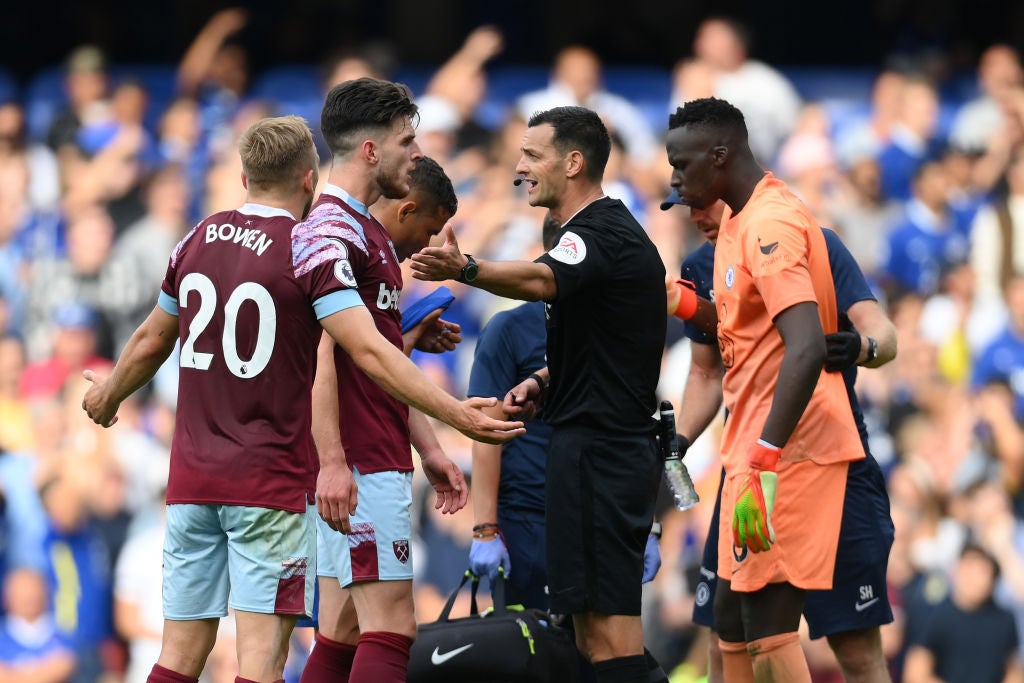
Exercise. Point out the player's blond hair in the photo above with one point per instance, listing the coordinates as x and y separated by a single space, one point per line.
277 151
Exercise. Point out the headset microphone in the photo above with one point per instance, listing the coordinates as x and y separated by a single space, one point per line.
518 181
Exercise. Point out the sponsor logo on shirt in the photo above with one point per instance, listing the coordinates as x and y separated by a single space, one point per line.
388 298
571 249
730 277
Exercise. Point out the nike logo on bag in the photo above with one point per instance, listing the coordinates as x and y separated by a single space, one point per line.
861 606
768 248
437 659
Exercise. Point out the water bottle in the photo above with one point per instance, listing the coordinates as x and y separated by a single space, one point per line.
683 491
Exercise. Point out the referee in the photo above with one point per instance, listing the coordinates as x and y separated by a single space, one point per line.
604 289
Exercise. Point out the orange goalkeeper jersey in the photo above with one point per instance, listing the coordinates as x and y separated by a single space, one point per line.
770 256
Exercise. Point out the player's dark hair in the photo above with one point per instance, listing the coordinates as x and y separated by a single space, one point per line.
361 106
429 178
578 128
711 113
549 232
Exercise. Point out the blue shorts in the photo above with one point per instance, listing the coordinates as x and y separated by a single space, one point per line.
262 557
524 538
858 599
379 548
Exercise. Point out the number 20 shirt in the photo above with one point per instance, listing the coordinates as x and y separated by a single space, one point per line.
249 287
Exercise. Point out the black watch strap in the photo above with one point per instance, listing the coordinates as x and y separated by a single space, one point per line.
468 272
872 350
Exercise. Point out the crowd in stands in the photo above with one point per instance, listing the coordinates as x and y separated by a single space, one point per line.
922 177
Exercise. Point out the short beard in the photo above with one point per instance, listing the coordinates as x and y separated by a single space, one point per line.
390 187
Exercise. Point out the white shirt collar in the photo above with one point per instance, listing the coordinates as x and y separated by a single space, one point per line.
264 211
336 191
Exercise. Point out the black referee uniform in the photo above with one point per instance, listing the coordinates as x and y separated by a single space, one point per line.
606 335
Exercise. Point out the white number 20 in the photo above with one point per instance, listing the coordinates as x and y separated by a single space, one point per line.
247 291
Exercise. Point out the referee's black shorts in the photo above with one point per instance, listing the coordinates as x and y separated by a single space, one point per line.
600 495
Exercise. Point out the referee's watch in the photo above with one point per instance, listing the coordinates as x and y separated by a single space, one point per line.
469 271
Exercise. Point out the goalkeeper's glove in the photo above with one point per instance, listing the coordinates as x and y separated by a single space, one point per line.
682 298
752 515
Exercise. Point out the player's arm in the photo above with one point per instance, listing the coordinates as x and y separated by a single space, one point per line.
871 321
685 304
800 328
354 330
443 474
143 355
525 280
337 494
702 394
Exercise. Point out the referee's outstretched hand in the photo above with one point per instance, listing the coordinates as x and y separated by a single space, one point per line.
439 263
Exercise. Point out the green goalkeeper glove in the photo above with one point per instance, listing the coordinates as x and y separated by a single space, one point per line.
752 515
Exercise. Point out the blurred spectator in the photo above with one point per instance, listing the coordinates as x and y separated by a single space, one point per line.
15 423
86 275
866 138
968 637
74 350
86 88
807 162
138 607
1002 362
999 74
374 59
911 138
929 240
215 72
31 647
78 571
769 102
43 190
144 247
997 234
576 80
863 216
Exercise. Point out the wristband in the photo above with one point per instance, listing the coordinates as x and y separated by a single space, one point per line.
656 530
687 307
540 382
764 456
485 525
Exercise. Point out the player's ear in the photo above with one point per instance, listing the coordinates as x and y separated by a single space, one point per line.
405 209
719 155
309 181
245 181
370 151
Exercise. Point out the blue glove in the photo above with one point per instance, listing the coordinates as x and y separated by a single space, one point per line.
486 556
652 559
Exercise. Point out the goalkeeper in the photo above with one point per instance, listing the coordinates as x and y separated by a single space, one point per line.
790 435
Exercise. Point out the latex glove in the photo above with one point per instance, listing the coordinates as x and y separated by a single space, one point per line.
486 556
752 515
652 559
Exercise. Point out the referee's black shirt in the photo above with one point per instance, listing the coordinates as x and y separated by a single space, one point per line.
606 328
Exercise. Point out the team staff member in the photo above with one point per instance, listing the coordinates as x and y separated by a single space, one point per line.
851 613
244 292
604 289
775 301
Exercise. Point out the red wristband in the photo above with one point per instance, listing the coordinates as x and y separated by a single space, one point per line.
764 458
687 307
